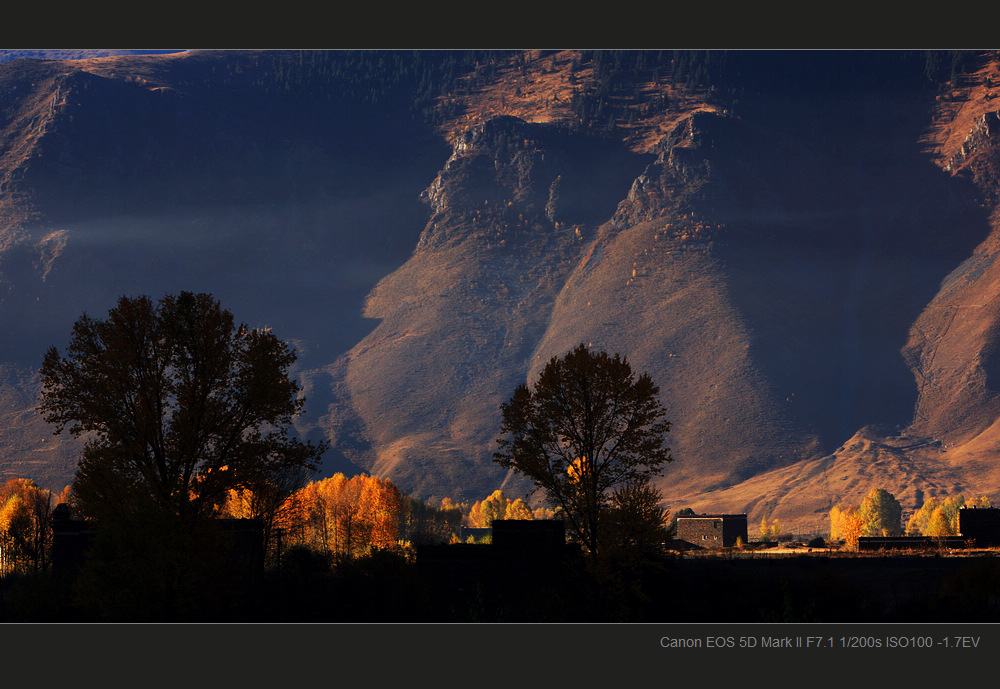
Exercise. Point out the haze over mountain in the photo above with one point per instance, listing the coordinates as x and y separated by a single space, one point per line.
798 247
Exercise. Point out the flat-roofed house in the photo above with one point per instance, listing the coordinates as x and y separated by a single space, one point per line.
712 530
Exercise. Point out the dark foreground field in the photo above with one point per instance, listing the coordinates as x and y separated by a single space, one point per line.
835 588
813 587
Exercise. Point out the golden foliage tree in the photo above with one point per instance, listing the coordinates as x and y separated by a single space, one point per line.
768 530
271 500
384 509
846 524
916 525
347 517
497 506
518 509
939 518
881 514
483 512
25 526
941 524
545 512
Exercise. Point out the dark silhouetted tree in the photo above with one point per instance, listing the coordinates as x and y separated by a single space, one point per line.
179 406
178 403
636 525
271 500
587 427
427 523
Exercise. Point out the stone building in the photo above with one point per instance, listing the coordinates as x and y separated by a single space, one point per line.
712 530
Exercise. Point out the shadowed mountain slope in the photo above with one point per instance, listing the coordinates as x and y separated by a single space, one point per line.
799 248
255 177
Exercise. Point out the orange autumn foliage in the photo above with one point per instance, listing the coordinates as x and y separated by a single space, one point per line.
348 517
497 506
846 523
25 525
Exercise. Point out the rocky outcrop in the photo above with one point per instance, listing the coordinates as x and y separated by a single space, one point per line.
987 125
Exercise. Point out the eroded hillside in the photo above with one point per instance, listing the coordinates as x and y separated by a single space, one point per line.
799 248
949 445
765 265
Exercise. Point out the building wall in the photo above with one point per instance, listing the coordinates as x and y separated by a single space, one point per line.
713 531
980 525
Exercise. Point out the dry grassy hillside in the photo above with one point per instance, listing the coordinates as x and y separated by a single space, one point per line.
765 266
798 247
231 173
538 86
950 446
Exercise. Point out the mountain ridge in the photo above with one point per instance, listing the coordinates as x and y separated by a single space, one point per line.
770 244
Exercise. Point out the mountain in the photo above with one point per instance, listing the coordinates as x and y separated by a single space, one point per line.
75 54
798 247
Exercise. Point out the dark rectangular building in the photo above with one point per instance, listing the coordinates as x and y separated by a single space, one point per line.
713 530
980 526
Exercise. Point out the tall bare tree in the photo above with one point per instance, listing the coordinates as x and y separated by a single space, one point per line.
589 425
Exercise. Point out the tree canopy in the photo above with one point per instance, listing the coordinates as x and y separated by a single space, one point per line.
178 404
588 427
880 513
939 518
25 526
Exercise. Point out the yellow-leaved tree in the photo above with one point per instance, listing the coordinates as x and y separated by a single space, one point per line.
939 518
497 506
25 526
347 517
272 500
881 514
845 524
483 512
